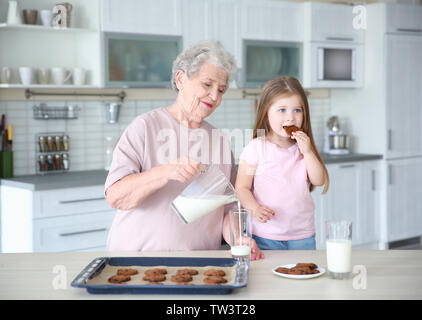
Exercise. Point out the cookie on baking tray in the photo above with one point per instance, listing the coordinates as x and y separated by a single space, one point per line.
155 271
127 272
191 272
215 272
214 280
154 277
181 278
118 278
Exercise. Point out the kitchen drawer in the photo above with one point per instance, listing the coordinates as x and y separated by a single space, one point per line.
69 201
73 233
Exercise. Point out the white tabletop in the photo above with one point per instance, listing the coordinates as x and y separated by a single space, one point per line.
390 274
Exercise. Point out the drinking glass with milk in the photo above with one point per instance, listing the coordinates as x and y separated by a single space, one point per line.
339 248
240 239
208 190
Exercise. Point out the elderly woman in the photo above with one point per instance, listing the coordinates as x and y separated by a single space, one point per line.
153 162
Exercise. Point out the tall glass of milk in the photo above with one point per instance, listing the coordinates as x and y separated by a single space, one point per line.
240 239
207 191
339 248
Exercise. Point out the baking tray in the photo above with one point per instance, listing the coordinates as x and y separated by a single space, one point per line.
95 267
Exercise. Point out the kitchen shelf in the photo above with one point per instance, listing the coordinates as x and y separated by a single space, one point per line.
47 86
30 27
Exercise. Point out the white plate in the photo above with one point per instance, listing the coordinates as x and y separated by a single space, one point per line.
294 276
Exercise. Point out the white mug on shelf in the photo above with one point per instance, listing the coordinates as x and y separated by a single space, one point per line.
46 17
5 74
59 76
13 13
26 75
79 75
43 75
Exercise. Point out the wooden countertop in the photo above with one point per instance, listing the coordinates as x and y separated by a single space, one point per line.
390 274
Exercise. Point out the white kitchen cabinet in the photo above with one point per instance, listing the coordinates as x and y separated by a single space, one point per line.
71 219
404 198
404 95
154 17
353 195
272 20
368 222
213 20
331 22
404 18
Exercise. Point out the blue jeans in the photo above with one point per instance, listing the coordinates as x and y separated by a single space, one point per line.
302 244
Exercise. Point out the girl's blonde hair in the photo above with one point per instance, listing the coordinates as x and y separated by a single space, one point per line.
273 89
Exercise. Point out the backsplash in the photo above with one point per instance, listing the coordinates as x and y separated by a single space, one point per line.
88 133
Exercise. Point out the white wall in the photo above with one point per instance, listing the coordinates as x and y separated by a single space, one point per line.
87 134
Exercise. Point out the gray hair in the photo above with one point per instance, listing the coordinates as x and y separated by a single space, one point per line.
192 59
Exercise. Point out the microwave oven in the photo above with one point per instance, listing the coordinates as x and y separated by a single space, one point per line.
334 65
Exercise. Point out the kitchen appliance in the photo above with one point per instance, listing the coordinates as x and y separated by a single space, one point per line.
336 64
335 141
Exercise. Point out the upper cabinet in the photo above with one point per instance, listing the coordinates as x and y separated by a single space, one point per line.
331 22
212 20
272 20
403 18
161 17
133 60
333 46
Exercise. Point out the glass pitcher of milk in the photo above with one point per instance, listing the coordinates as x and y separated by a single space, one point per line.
207 191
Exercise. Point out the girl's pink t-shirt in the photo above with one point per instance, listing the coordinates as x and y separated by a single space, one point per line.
281 184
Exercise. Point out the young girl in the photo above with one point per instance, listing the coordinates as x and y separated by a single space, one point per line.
277 171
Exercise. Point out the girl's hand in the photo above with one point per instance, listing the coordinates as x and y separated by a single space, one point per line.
256 253
262 213
303 141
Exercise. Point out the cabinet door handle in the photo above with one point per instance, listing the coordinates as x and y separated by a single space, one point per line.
81 232
373 173
390 174
409 30
80 200
389 138
347 166
339 38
